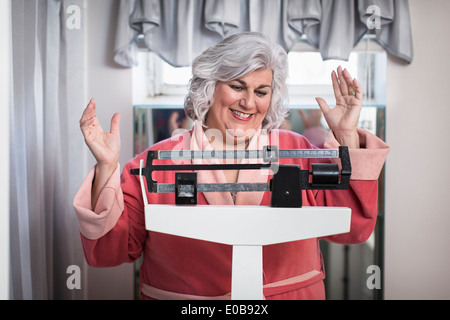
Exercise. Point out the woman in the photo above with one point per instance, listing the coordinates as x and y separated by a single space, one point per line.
237 93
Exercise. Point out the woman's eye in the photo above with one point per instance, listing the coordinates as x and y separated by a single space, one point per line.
261 93
236 88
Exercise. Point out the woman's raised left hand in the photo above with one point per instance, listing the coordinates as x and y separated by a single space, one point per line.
343 119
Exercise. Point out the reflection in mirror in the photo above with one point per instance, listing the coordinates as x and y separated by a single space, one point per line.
155 124
348 268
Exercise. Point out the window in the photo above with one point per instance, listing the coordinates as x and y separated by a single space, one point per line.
172 76
308 68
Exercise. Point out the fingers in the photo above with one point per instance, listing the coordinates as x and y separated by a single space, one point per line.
89 115
304 117
89 112
88 119
115 124
358 89
343 79
345 85
174 116
302 113
351 86
323 105
336 86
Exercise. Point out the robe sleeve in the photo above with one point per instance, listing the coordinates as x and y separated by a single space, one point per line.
114 232
362 195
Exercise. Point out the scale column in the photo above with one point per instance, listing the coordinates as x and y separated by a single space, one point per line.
247 273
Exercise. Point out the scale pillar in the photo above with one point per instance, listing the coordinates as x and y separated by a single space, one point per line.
247 273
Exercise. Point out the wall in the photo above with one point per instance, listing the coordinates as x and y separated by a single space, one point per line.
417 257
111 87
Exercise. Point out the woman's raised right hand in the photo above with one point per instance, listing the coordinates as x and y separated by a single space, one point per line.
105 146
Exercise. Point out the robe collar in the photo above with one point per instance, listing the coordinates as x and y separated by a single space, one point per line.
199 141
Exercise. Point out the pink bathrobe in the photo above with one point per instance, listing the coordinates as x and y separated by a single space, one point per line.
181 268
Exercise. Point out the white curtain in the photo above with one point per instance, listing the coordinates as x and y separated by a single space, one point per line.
45 149
179 30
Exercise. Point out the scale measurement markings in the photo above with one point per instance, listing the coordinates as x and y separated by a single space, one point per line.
246 154
214 187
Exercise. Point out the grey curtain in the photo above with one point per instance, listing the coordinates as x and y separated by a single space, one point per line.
179 30
45 167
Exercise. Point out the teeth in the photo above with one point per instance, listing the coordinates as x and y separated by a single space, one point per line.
240 114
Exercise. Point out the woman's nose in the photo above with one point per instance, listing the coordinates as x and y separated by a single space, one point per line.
248 100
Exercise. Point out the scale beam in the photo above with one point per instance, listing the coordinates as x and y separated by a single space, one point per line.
270 153
286 184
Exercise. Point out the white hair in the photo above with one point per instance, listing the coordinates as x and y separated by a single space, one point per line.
231 59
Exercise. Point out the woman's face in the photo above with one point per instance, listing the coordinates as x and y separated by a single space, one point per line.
240 106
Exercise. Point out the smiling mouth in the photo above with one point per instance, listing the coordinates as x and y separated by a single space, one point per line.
241 114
